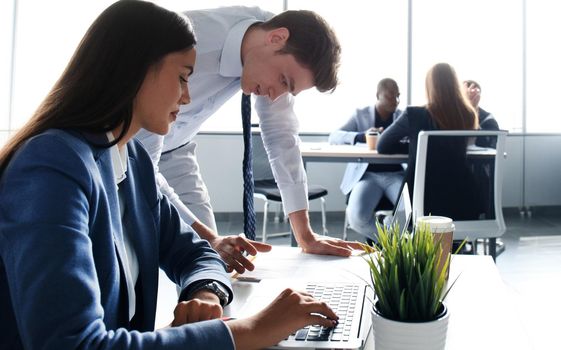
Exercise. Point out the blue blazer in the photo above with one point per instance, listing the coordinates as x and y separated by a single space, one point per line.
62 284
360 121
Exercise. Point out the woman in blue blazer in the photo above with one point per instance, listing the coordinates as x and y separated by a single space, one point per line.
83 228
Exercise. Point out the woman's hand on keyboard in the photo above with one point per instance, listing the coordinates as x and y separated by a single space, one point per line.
290 311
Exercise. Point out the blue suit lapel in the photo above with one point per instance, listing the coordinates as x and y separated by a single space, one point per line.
106 170
105 167
142 232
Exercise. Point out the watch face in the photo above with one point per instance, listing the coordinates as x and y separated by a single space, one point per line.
219 291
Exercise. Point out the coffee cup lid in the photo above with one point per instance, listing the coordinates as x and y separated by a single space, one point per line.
437 223
373 133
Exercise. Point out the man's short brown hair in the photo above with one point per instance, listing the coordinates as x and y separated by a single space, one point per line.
313 44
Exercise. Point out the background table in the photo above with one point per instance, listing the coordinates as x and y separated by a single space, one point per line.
324 152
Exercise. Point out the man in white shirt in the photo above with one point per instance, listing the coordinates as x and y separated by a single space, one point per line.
273 58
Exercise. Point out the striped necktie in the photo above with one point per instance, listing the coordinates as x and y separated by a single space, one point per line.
248 210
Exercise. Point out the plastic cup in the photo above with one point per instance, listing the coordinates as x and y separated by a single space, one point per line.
443 230
372 139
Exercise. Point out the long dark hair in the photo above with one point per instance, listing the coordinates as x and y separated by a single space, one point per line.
95 92
447 105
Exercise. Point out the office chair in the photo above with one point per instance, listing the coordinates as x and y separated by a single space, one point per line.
383 209
462 182
265 187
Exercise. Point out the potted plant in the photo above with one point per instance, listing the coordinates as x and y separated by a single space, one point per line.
408 311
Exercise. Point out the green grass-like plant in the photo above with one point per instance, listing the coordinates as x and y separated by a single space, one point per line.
405 276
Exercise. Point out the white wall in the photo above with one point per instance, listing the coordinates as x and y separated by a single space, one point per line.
220 159
543 167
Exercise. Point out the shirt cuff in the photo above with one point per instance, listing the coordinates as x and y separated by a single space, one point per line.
184 212
360 137
294 197
231 335
351 137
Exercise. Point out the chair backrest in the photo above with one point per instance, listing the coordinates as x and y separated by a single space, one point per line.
261 166
454 178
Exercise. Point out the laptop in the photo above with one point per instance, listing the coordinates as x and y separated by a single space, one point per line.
351 301
402 212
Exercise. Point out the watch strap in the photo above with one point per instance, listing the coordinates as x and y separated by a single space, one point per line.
213 286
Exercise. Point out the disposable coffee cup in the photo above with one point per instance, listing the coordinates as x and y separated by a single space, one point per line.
443 231
372 139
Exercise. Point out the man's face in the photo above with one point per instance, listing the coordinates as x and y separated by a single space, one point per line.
268 73
388 99
473 93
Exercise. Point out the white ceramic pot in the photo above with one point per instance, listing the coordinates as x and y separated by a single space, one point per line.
394 335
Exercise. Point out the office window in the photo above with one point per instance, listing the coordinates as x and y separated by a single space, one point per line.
274 6
543 65
47 34
482 40
227 117
373 37
6 26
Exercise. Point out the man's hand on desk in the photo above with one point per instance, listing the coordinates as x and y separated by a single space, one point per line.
289 312
203 306
231 250
329 246
315 244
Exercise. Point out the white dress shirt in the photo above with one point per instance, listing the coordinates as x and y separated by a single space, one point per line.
215 80
119 159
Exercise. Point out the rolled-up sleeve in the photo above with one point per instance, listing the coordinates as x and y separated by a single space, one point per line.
279 127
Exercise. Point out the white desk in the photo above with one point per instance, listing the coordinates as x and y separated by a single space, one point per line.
482 313
324 152
359 153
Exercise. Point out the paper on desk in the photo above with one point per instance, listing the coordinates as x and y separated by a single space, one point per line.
287 262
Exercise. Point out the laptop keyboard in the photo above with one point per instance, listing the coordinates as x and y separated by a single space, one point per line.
343 300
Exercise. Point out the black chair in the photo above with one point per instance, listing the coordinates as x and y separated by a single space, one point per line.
383 209
462 182
265 187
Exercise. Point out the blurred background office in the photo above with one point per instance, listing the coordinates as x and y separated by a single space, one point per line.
508 47
504 45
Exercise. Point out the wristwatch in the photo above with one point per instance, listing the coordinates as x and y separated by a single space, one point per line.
215 288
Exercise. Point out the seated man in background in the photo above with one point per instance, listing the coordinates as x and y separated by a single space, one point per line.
486 120
365 183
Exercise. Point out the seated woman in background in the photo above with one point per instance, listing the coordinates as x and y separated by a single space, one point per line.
83 228
447 108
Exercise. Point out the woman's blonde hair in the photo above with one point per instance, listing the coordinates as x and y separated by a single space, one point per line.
447 105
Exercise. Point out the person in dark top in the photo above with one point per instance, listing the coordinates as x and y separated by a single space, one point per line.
486 120
446 109
366 184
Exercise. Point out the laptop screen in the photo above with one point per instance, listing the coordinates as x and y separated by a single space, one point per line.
402 212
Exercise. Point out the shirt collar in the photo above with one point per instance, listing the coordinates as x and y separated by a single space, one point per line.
118 159
231 60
